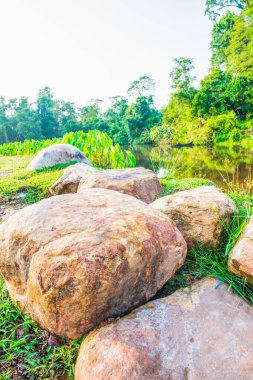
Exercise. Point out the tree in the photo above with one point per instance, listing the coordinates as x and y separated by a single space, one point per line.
67 117
221 39
92 118
144 86
25 121
181 77
240 50
140 117
46 109
115 119
215 7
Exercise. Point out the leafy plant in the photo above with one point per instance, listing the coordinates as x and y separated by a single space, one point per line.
96 145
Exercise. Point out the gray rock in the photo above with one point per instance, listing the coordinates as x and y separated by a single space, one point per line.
204 332
69 181
57 154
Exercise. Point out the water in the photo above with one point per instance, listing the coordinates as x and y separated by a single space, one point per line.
228 168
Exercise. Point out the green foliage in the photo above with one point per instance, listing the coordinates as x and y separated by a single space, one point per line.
99 148
161 134
221 38
240 50
141 87
126 120
221 109
96 145
181 77
25 349
27 186
215 7
140 117
170 185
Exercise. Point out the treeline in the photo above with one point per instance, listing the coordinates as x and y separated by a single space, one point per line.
127 120
221 109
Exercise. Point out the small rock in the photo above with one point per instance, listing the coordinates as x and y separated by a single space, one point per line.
69 181
57 154
241 260
201 332
21 367
198 213
54 341
141 183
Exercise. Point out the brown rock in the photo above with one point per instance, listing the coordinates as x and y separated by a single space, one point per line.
201 332
6 211
198 213
75 260
69 181
241 259
141 183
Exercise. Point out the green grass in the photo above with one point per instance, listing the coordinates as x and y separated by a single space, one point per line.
170 185
26 351
32 184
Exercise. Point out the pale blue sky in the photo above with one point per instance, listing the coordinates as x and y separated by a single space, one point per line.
85 49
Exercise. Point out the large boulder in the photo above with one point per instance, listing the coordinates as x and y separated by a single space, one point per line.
198 213
74 260
69 181
201 332
139 182
57 154
241 259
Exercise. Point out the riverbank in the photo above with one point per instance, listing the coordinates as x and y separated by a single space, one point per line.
27 351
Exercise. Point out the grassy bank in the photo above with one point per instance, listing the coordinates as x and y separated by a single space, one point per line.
28 352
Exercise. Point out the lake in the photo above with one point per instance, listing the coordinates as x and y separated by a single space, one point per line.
228 167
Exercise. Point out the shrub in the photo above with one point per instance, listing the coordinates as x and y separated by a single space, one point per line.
161 134
96 145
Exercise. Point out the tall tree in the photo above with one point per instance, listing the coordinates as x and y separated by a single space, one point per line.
214 8
221 39
181 76
46 109
240 49
25 121
144 86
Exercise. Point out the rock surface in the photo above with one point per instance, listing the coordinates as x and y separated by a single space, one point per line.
201 332
69 181
241 259
197 213
141 183
57 154
75 260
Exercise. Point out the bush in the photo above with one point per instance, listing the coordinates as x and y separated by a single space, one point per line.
96 145
224 127
161 134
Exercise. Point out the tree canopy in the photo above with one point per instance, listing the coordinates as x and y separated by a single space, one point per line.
221 108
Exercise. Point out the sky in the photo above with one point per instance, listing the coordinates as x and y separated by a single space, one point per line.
86 49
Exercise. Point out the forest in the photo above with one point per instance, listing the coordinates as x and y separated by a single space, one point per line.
218 111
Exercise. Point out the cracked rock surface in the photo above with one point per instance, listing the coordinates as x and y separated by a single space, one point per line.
201 332
241 259
198 213
75 260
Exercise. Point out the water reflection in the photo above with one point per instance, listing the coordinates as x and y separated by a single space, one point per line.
222 165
